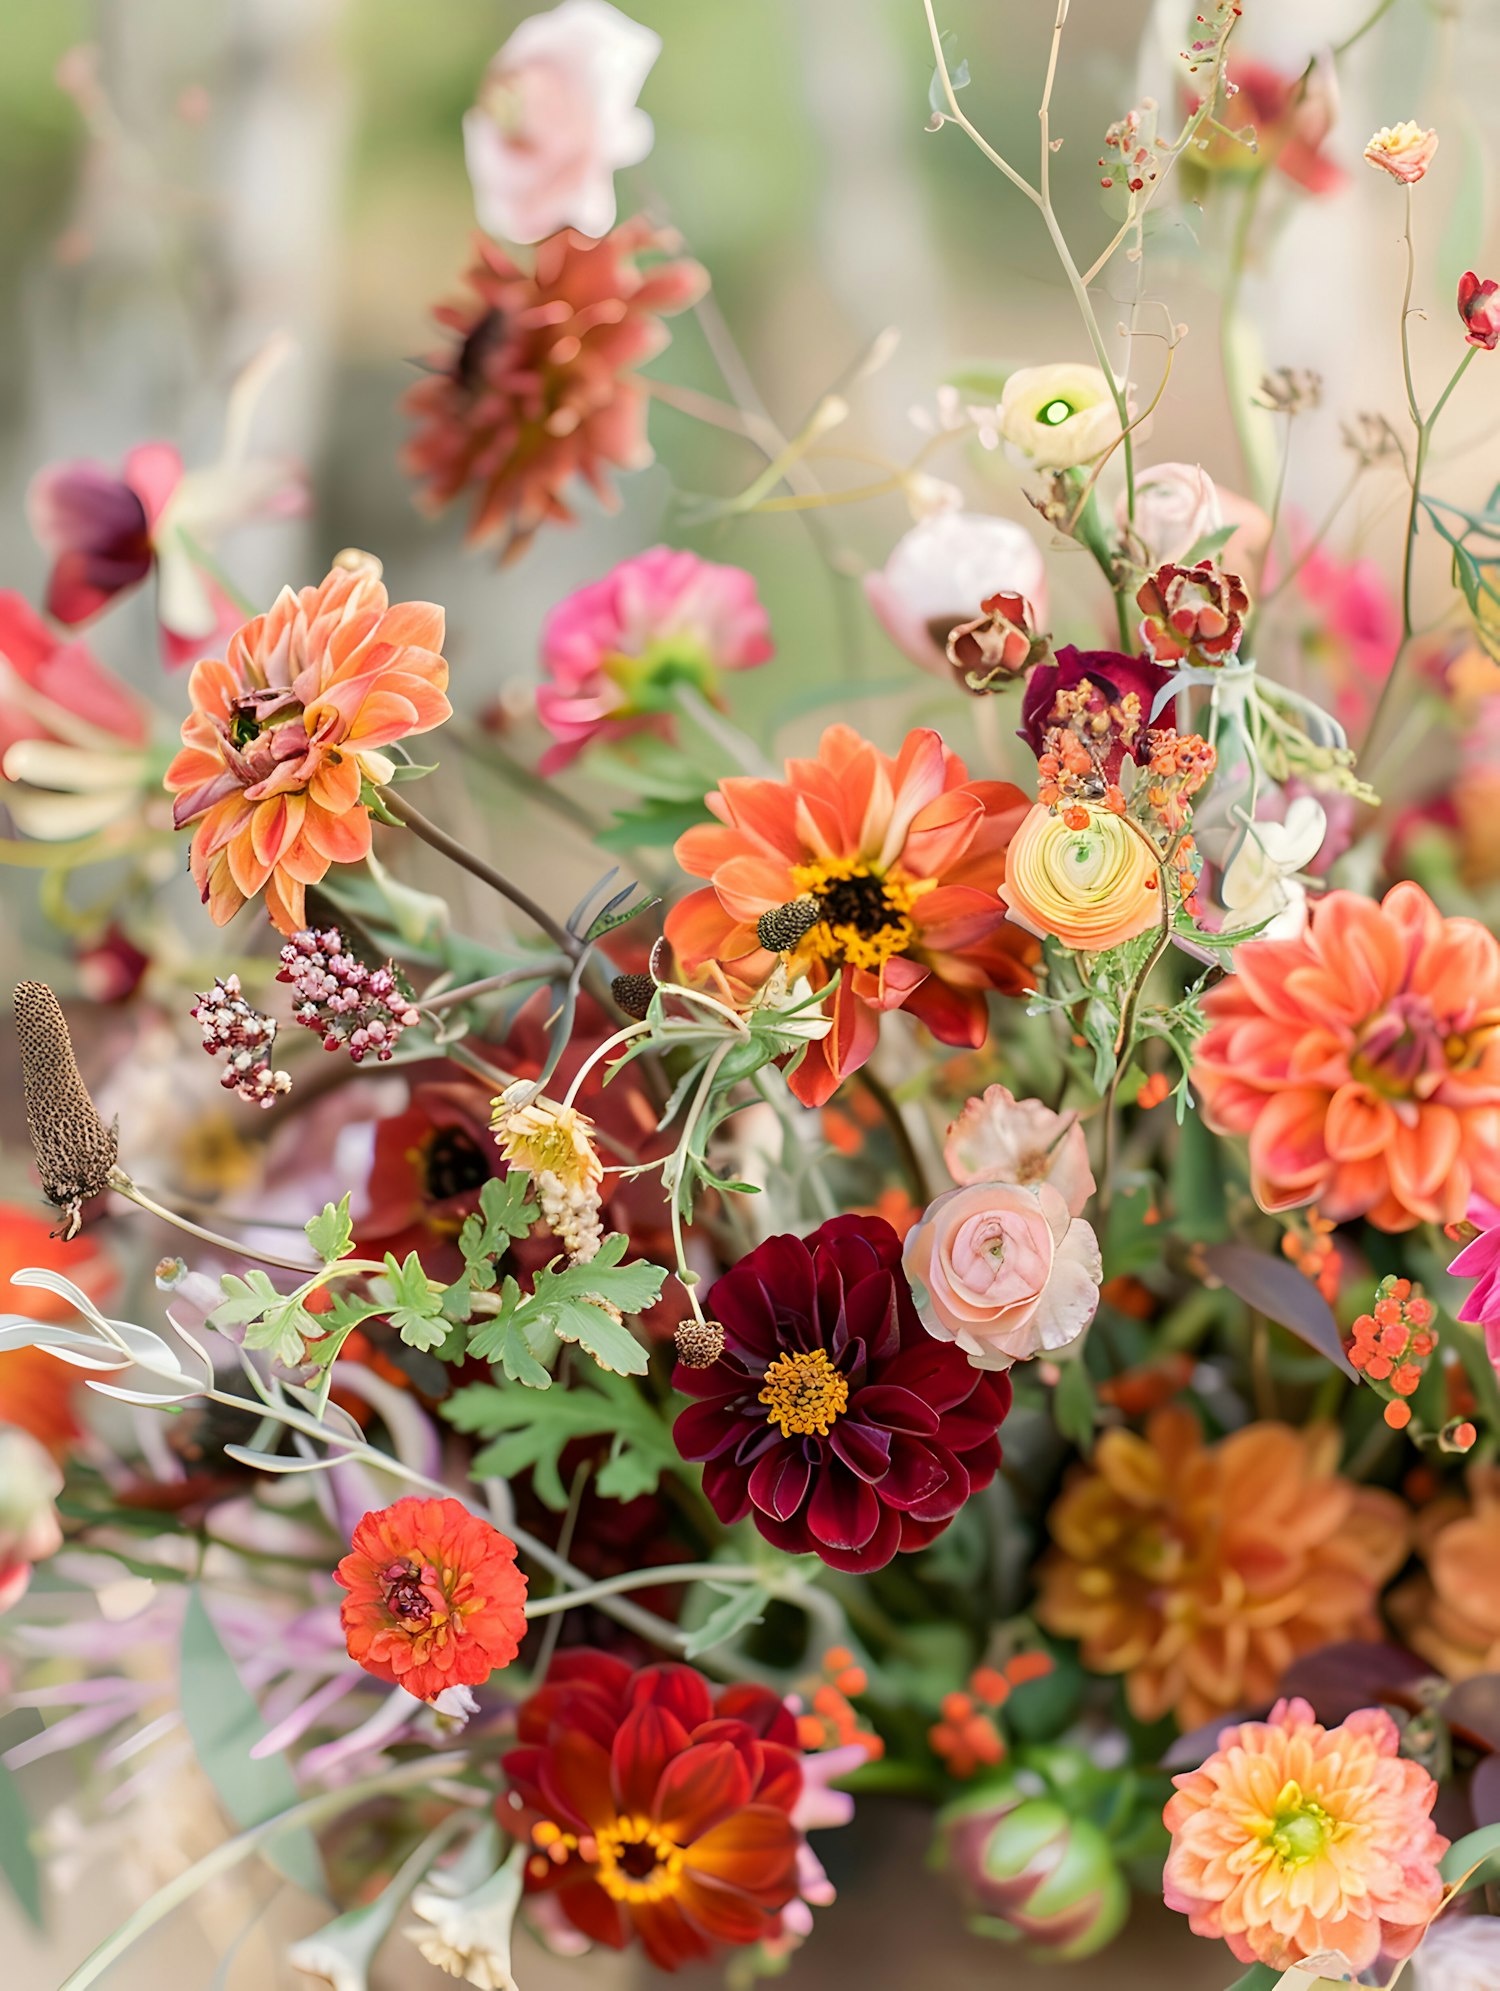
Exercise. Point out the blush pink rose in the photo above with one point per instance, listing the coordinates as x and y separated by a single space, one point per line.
1004 1271
999 1138
556 117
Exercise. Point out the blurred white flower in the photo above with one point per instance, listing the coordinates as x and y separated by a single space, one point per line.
940 572
468 1935
1175 505
556 117
1261 881
1459 1953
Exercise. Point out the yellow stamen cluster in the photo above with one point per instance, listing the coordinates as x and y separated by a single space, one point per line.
629 1836
804 1393
866 913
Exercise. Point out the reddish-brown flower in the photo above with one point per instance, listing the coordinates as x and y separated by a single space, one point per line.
902 859
657 1809
1192 614
1479 307
1100 696
832 1418
537 385
998 646
435 1599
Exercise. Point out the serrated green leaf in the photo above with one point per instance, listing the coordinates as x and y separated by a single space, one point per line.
276 1322
529 1430
744 1605
338 1322
506 1212
331 1233
658 824
17 1860
224 1724
417 1314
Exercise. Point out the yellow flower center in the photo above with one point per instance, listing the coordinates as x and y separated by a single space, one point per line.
804 1392
636 1861
1300 1828
866 914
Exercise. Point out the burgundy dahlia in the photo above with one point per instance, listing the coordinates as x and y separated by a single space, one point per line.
1101 696
832 1417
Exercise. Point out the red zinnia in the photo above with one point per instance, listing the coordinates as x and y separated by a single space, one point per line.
657 1808
435 1598
832 1417
539 385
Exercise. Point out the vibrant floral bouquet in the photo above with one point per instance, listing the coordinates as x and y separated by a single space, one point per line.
966 1270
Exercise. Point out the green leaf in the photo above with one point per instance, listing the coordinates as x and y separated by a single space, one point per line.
564 1301
17 1860
530 1430
224 1724
744 1605
506 1212
331 1234
1208 543
277 1322
417 1314
1479 1851
337 1323
1073 1405
1259 1977
659 823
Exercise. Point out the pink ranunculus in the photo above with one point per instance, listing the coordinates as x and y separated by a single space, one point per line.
29 1531
614 651
1480 1261
556 117
999 1138
940 572
1004 1270
1479 307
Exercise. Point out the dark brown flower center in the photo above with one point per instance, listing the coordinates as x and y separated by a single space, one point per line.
453 1164
404 1596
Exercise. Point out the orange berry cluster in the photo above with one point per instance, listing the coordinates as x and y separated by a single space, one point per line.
1069 773
832 1723
968 1739
1177 766
1392 1342
1153 1090
1314 1254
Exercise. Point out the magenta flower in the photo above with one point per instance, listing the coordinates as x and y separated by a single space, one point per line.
1479 307
1480 1261
615 651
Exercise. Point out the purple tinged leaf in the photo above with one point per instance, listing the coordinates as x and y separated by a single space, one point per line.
1280 1292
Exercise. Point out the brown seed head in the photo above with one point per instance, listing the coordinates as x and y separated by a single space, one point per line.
74 1149
633 994
700 1343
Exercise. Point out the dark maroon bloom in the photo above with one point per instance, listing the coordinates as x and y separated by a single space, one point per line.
1479 307
1101 695
97 524
832 1417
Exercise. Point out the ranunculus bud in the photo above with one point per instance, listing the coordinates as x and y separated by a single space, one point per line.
1192 615
1059 416
1024 1868
939 574
998 646
1479 307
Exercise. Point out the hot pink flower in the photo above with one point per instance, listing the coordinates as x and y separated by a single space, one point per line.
1003 1271
1352 630
1294 1839
55 690
556 116
999 1138
614 650
1479 307
1480 1261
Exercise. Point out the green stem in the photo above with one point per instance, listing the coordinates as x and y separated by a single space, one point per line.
121 1183
646 1579
541 970
1241 408
459 854
906 1147
313 1811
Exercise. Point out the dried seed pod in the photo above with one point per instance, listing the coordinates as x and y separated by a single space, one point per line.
779 930
633 994
699 1343
74 1149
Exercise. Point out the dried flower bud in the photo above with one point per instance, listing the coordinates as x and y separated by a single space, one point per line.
699 1343
998 647
356 561
1192 614
74 1149
780 929
633 994
1371 437
1290 390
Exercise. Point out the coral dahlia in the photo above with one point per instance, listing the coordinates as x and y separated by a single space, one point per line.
657 1808
435 1599
285 731
537 385
1200 1572
901 860
832 1418
1294 1839
1363 1060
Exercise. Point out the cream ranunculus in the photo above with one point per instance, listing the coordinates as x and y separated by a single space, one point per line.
1059 416
1091 886
1004 1271
1402 150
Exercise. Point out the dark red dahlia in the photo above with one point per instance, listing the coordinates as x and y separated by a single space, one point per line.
656 1808
537 386
832 1417
1102 696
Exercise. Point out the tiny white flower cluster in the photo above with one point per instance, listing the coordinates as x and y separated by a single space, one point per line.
234 1030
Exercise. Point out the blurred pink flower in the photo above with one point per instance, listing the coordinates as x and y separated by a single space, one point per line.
614 651
556 117
1350 637
29 1531
1290 117
1003 1271
1176 504
107 531
999 1138
939 573
1480 1261
1479 307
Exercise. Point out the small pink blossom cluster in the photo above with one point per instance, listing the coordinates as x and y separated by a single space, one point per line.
357 1009
236 1031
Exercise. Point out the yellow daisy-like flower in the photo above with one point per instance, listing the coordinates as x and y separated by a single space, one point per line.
554 1144
1085 876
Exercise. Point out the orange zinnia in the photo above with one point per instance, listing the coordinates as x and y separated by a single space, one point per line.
36 1390
1200 1572
904 858
1363 1061
285 731
435 1599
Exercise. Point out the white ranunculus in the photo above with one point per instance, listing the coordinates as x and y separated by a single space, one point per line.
1059 416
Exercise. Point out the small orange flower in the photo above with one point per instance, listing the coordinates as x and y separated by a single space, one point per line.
286 729
435 1599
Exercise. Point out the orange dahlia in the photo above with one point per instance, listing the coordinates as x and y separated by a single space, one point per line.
1451 1613
435 1599
1294 1839
891 869
285 731
1199 1572
1363 1061
537 385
